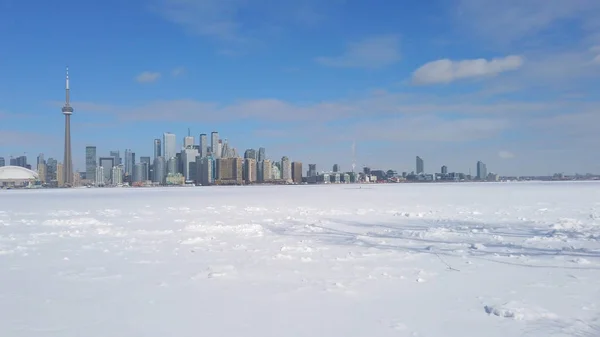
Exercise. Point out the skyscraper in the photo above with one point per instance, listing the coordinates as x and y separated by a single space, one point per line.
420 165
444 169
336 168
481 171
250 153
129 162
160 170
286 169
203 145
90 163
169 145
214 145
67 110
157 152
2 162
297 172
261 154
188 142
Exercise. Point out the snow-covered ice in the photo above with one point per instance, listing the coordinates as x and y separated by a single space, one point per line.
497 259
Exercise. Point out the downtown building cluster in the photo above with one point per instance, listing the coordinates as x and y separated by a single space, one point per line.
207 161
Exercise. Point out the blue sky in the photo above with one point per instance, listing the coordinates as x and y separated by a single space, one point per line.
512 83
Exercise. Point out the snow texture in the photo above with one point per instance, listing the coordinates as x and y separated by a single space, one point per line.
497 259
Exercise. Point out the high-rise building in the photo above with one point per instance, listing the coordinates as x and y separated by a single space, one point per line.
214 145
230 171
172 166
188 156
275 171
2 162
249 170
188 142
51 170
160 170
100 176
336 168
169 145
205 171
444 169
312 170
40 159
297 172
138 172
67 110
145 161
157 148
41 169
90 162
420 165
250 153
129 162
203 145
19 161
60 174
262 154
265 171
117 174
117 155
481 171
107 164
286 169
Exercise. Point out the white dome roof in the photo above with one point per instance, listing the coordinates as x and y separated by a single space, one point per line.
16 173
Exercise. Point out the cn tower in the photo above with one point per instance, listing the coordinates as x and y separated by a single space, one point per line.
67 110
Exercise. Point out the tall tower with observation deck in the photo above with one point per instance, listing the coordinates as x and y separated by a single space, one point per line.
67 110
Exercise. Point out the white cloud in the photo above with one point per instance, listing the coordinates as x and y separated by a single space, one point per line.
506 154
373 52
508 21
446 71
178 71
147 77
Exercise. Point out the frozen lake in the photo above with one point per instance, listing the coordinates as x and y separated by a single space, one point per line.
497 259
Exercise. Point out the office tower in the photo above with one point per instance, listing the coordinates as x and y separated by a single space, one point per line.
286 169
481 171
214 144
420 165
117 174
230 171
107 164
129 162
157 148
266 171
250 153
138 172
90 163
225 150
312 170
169 145
188 141
41 169
60 174
160 170
99 176
205 171
444 170
40 159
172 166
249 170
336 168
188 156
145 161
19 161
261 154
275 171
2 162
220 148
67 166
51 169
297 172
203 145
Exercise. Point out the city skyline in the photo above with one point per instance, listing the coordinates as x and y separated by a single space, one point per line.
519 93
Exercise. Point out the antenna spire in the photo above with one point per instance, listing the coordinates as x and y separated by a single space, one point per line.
67 88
